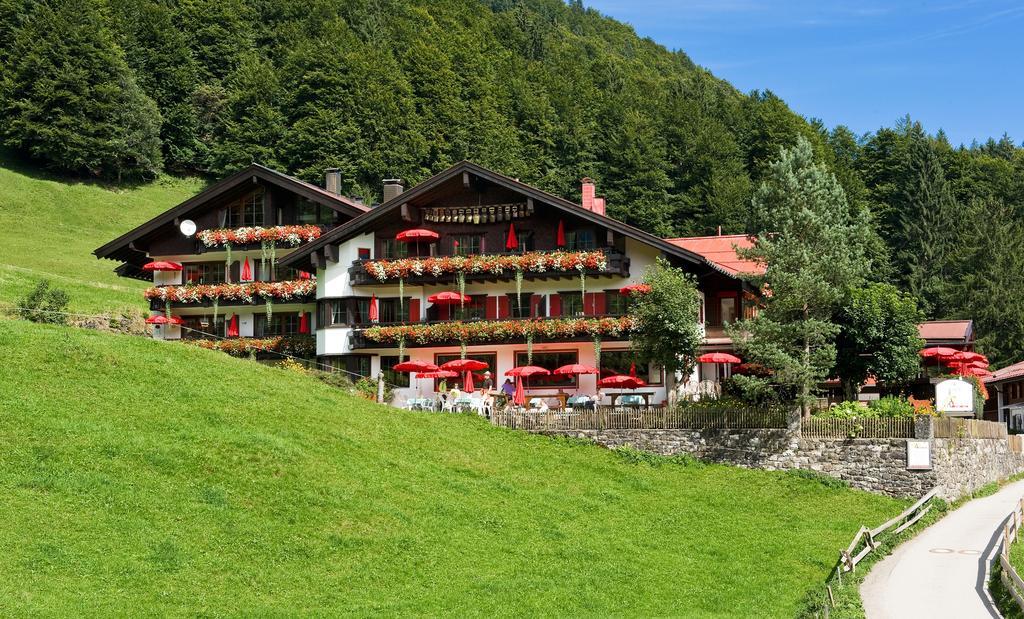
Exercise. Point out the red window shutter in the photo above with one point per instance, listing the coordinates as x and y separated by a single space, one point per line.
599 304
555 303
414 310
492 308
535 305
504 307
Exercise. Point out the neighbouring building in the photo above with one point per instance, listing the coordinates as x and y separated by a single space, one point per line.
468 231
956 334
215 260
1006 396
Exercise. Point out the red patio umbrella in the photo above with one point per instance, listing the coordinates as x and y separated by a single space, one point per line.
519 397
416 235
560 237
373 314
938 352
161 265
438 374
246 274
512 242
467 382
233 326
632 369
414 366
463 365
448 298
304 322
719 357
528 370
622 381
161 319
635 289
575 368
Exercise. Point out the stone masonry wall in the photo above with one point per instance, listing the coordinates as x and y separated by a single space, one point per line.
959 466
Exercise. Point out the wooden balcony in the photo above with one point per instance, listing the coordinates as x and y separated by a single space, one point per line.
617 266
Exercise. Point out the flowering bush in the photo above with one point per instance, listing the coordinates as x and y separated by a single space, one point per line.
532 262
298 345
491 331
248 292
291 235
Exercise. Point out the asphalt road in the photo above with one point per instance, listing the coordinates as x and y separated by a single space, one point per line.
942 571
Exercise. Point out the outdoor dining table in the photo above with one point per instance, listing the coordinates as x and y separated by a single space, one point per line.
640 398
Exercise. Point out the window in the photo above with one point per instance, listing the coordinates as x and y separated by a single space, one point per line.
616 304
620 361
330 312
391 249
467 244
580 240
572 303
283 273
491 359
308 212
524 240
201 327
278 324
549 360
476 309
246 212
398 379
390 310
360 310
727 309
351 365
520 309
204 273
364 253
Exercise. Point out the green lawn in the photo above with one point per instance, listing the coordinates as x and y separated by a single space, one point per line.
143 476
48 229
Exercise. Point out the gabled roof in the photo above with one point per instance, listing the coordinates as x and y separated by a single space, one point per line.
119 248
720 252
946 331
1011 371
367 220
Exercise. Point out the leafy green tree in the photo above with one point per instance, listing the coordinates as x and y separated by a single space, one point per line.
813 252
666 331
70 100
878 337
44 304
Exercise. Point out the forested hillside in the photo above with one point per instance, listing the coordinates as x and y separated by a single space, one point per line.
541 90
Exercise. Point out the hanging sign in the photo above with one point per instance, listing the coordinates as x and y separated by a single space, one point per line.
954 396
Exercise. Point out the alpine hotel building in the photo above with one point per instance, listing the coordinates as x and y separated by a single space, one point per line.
467 262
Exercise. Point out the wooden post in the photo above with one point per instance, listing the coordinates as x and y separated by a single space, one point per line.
380 388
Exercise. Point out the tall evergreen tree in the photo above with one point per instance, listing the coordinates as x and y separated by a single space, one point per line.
70 100
813 252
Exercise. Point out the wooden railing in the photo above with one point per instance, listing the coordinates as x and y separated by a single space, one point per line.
849 558
1011 531
642 418
954 427
877 427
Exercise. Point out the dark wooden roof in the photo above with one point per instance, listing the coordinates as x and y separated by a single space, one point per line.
120 248
301 257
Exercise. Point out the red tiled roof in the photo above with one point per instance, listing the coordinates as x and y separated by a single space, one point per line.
1010 371
720 251
945 330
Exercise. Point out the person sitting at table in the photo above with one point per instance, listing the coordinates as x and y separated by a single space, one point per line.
488 384
509 389
597 398
454 394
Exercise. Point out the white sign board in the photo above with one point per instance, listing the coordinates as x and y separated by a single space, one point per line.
919 455
954 396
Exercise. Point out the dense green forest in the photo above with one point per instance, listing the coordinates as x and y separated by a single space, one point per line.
541 90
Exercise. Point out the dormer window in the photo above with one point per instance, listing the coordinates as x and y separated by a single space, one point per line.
247 212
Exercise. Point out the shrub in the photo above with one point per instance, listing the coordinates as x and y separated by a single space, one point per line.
891 406
845 410
44 304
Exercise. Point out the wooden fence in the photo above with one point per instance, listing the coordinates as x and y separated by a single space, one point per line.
837 429
1016 443
1011 531
956 427
643 418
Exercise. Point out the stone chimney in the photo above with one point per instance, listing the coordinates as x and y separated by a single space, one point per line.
599 205
587 192
332 180
392 187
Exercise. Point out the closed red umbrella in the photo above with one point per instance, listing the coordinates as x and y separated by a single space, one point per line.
161 319
304 322
161 265
305 275
632 289
519 397
560 237
719 357
575 368
448 298
373 314
622 381
632 369
233 326
462 365
512 242
414 366
246 274
467 383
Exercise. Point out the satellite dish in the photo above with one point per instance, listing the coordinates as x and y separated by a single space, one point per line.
188 227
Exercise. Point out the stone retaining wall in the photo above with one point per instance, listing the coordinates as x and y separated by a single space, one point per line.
959 466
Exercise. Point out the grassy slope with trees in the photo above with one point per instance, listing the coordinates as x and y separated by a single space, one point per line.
247 489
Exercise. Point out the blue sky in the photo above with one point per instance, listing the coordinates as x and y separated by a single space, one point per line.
955 65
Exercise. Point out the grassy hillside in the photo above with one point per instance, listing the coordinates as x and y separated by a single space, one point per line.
138 474
48 229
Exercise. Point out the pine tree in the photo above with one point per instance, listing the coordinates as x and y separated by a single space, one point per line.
72 102
813 252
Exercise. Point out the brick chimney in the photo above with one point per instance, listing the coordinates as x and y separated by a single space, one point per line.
599 205
332 180
587 192
392 187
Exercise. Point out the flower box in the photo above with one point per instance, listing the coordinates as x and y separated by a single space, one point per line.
298 345
489 331
484 264
289 235
249 292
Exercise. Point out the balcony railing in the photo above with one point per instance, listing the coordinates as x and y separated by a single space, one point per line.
616 264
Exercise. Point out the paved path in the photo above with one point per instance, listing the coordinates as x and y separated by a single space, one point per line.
942 571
